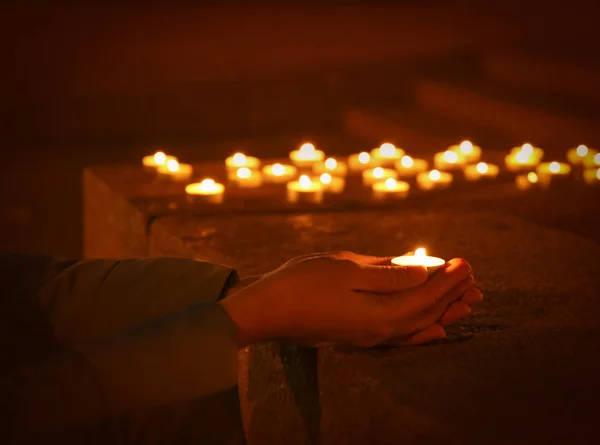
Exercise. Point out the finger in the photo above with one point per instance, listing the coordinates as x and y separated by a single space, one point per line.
387 279
455 312
433 332
436 312
363 259
472 296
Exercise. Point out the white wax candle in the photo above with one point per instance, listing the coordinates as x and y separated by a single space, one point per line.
579 154
378 174
207 191
332 166
481 170
420 258
434 180
408 167
332 184
386 154
247 178
467 151
175 171
306 156
159 158
279 173
448 160
390 189
305 189
526 181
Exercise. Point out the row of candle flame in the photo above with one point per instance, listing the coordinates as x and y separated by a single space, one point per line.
376 170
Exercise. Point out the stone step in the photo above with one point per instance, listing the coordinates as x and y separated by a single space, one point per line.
545 72
420 132
553 121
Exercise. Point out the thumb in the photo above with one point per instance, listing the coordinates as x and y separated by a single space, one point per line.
388 279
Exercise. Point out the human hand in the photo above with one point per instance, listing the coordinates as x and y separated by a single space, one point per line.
346 298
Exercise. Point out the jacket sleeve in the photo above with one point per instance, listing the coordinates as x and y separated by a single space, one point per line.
152 332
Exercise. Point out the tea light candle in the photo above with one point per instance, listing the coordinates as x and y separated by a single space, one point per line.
332 184
481 170
525 182
207 191
526 157
592 162
467 151
247 178
578 154
420 258
306 155
159 158
434 180
591 176
386 154
448 160
239 160
378 174
361 161
305 189
279 173
172 169
331 166
409 167
390 189
553 168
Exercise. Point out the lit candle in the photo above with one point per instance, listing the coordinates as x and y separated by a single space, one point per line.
378 174
306 155
591 176
420 258
279 173
525 182
207 191
390 189
523 158
332 184
247 178
467 151
361 161
448 160
434 180
239 160
590 162
304 189
331 166
579 154
548 171
172 169
481 170
159 158
409 167
386 154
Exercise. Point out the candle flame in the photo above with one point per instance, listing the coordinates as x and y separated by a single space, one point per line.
364 157
325 178
390 184
420 252
208 185
239 159
554 167
597 159
172 165
532 177
435 175
378 172
330 164
278 170
407 161
451 157
527 149
243 173
388 150
305 182
582 151
466 147
598 174
307 149
160 158
482 167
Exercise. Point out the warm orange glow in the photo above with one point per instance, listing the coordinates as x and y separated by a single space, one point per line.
305 182
239 159
532 177
482 167
407 162
172 165
421 252
160 158
435 175
331 164
378 172
466 147
278 170
364 157
390 184
582 151
554 167
325 178
243 173
388 150
451 157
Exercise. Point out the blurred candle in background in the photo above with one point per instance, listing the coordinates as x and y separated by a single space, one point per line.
306 156
467 151
409 167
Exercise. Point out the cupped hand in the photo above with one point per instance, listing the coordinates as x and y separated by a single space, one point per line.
346 298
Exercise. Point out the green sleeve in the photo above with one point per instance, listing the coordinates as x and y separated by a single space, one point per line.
152 331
